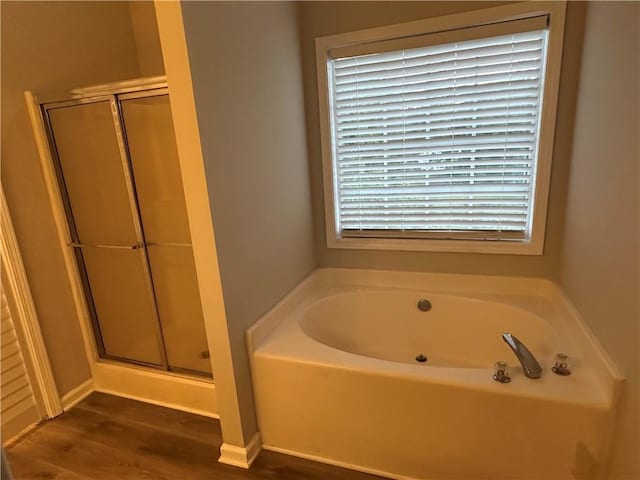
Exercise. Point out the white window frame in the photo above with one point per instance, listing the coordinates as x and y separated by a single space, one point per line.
534 244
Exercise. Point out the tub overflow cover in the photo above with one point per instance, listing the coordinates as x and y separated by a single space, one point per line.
424 305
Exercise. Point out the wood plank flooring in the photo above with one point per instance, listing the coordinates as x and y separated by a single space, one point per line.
111 438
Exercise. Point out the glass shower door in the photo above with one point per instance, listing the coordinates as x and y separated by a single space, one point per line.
156 170
106 231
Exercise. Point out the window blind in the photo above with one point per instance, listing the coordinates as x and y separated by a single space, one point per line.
438 139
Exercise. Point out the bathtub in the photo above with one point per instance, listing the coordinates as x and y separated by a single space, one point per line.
336 378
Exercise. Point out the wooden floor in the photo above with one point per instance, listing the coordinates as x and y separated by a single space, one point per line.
106 437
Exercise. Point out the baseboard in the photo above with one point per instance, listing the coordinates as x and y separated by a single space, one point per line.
158 388
18 436
17 426
337 463
241 457
78 394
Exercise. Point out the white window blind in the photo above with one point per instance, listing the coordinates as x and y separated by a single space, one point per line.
439 140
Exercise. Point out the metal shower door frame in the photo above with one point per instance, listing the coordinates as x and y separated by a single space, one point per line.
74 242
123 97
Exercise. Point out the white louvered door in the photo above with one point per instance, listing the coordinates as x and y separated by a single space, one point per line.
18 403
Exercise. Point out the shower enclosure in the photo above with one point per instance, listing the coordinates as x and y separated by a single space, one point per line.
116 161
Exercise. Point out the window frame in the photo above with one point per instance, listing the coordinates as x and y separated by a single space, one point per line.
534 244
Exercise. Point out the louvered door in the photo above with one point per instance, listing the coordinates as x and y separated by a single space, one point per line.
18 404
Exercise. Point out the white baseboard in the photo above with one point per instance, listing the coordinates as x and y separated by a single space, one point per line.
17 426
241 457
18 436
159 388
78 394
337 463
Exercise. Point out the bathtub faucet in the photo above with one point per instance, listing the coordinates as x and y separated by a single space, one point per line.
530 365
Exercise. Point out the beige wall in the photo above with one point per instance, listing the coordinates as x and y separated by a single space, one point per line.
145 35
600 266
245 66
50 46
327 18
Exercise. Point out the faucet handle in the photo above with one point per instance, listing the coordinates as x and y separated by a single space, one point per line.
561 366
501 372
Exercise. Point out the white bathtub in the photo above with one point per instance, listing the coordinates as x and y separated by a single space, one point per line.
336 378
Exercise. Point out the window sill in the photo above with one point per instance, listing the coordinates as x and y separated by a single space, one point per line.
504 247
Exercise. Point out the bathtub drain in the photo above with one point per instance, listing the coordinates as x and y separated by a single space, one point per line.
421 358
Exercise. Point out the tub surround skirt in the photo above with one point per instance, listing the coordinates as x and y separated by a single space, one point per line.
334 379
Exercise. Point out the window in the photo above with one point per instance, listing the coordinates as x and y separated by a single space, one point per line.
441 140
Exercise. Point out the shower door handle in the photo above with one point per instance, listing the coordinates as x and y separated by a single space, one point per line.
135 246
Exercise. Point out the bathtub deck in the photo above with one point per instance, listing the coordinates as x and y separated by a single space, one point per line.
111 438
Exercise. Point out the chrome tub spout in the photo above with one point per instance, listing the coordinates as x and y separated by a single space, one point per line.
530 365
